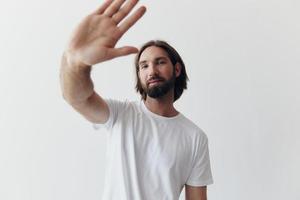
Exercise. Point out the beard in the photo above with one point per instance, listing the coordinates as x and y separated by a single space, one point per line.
161 88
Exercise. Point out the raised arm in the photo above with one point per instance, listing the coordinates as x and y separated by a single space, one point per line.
92 42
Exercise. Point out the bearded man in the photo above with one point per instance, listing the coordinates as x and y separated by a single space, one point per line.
153 150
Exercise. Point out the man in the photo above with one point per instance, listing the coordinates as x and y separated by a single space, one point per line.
154 150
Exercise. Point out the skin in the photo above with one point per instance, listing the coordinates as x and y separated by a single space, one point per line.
195 193
92 42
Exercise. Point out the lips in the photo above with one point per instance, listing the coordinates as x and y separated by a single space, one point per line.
154 81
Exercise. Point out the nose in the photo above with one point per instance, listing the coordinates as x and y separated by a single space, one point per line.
152 69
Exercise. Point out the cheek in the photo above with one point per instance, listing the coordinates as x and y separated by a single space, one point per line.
141 78
168 72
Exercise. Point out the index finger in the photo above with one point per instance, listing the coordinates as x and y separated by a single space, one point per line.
132 19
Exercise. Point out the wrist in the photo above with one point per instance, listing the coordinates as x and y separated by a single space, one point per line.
74 63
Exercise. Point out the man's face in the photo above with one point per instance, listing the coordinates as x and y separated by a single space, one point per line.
156 72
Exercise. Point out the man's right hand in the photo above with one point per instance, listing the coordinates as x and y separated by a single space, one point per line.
94 40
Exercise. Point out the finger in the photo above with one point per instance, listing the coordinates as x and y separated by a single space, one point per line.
114 7
122 51
123 12
132 19
103 7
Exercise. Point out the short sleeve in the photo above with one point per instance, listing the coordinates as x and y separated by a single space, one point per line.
115 107
201 170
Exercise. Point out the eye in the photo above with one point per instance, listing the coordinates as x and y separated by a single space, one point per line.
160 62
143 66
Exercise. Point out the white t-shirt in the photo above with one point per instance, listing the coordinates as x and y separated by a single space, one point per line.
151 157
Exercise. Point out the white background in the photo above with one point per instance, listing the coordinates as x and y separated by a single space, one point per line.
242 58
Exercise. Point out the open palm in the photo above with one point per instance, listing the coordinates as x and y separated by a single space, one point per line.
94 40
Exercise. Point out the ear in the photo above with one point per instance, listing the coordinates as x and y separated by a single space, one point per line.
177 69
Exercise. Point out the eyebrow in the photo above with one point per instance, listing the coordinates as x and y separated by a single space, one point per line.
158 58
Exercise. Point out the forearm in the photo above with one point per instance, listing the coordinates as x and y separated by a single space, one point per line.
75 81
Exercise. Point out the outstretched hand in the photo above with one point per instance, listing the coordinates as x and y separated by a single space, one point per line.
94 40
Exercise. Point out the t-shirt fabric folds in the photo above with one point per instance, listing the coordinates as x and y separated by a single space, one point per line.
151 157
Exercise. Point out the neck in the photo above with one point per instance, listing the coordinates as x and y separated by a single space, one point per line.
162 106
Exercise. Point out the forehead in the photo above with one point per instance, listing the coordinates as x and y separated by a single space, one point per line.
153 52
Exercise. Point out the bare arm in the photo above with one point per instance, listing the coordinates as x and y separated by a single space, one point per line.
78 91
195 193
92 42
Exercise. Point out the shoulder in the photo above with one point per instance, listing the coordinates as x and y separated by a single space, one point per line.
191 127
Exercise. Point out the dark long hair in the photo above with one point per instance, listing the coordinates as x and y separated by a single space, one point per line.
181 80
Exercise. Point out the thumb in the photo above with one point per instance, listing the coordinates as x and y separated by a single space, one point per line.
122 51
